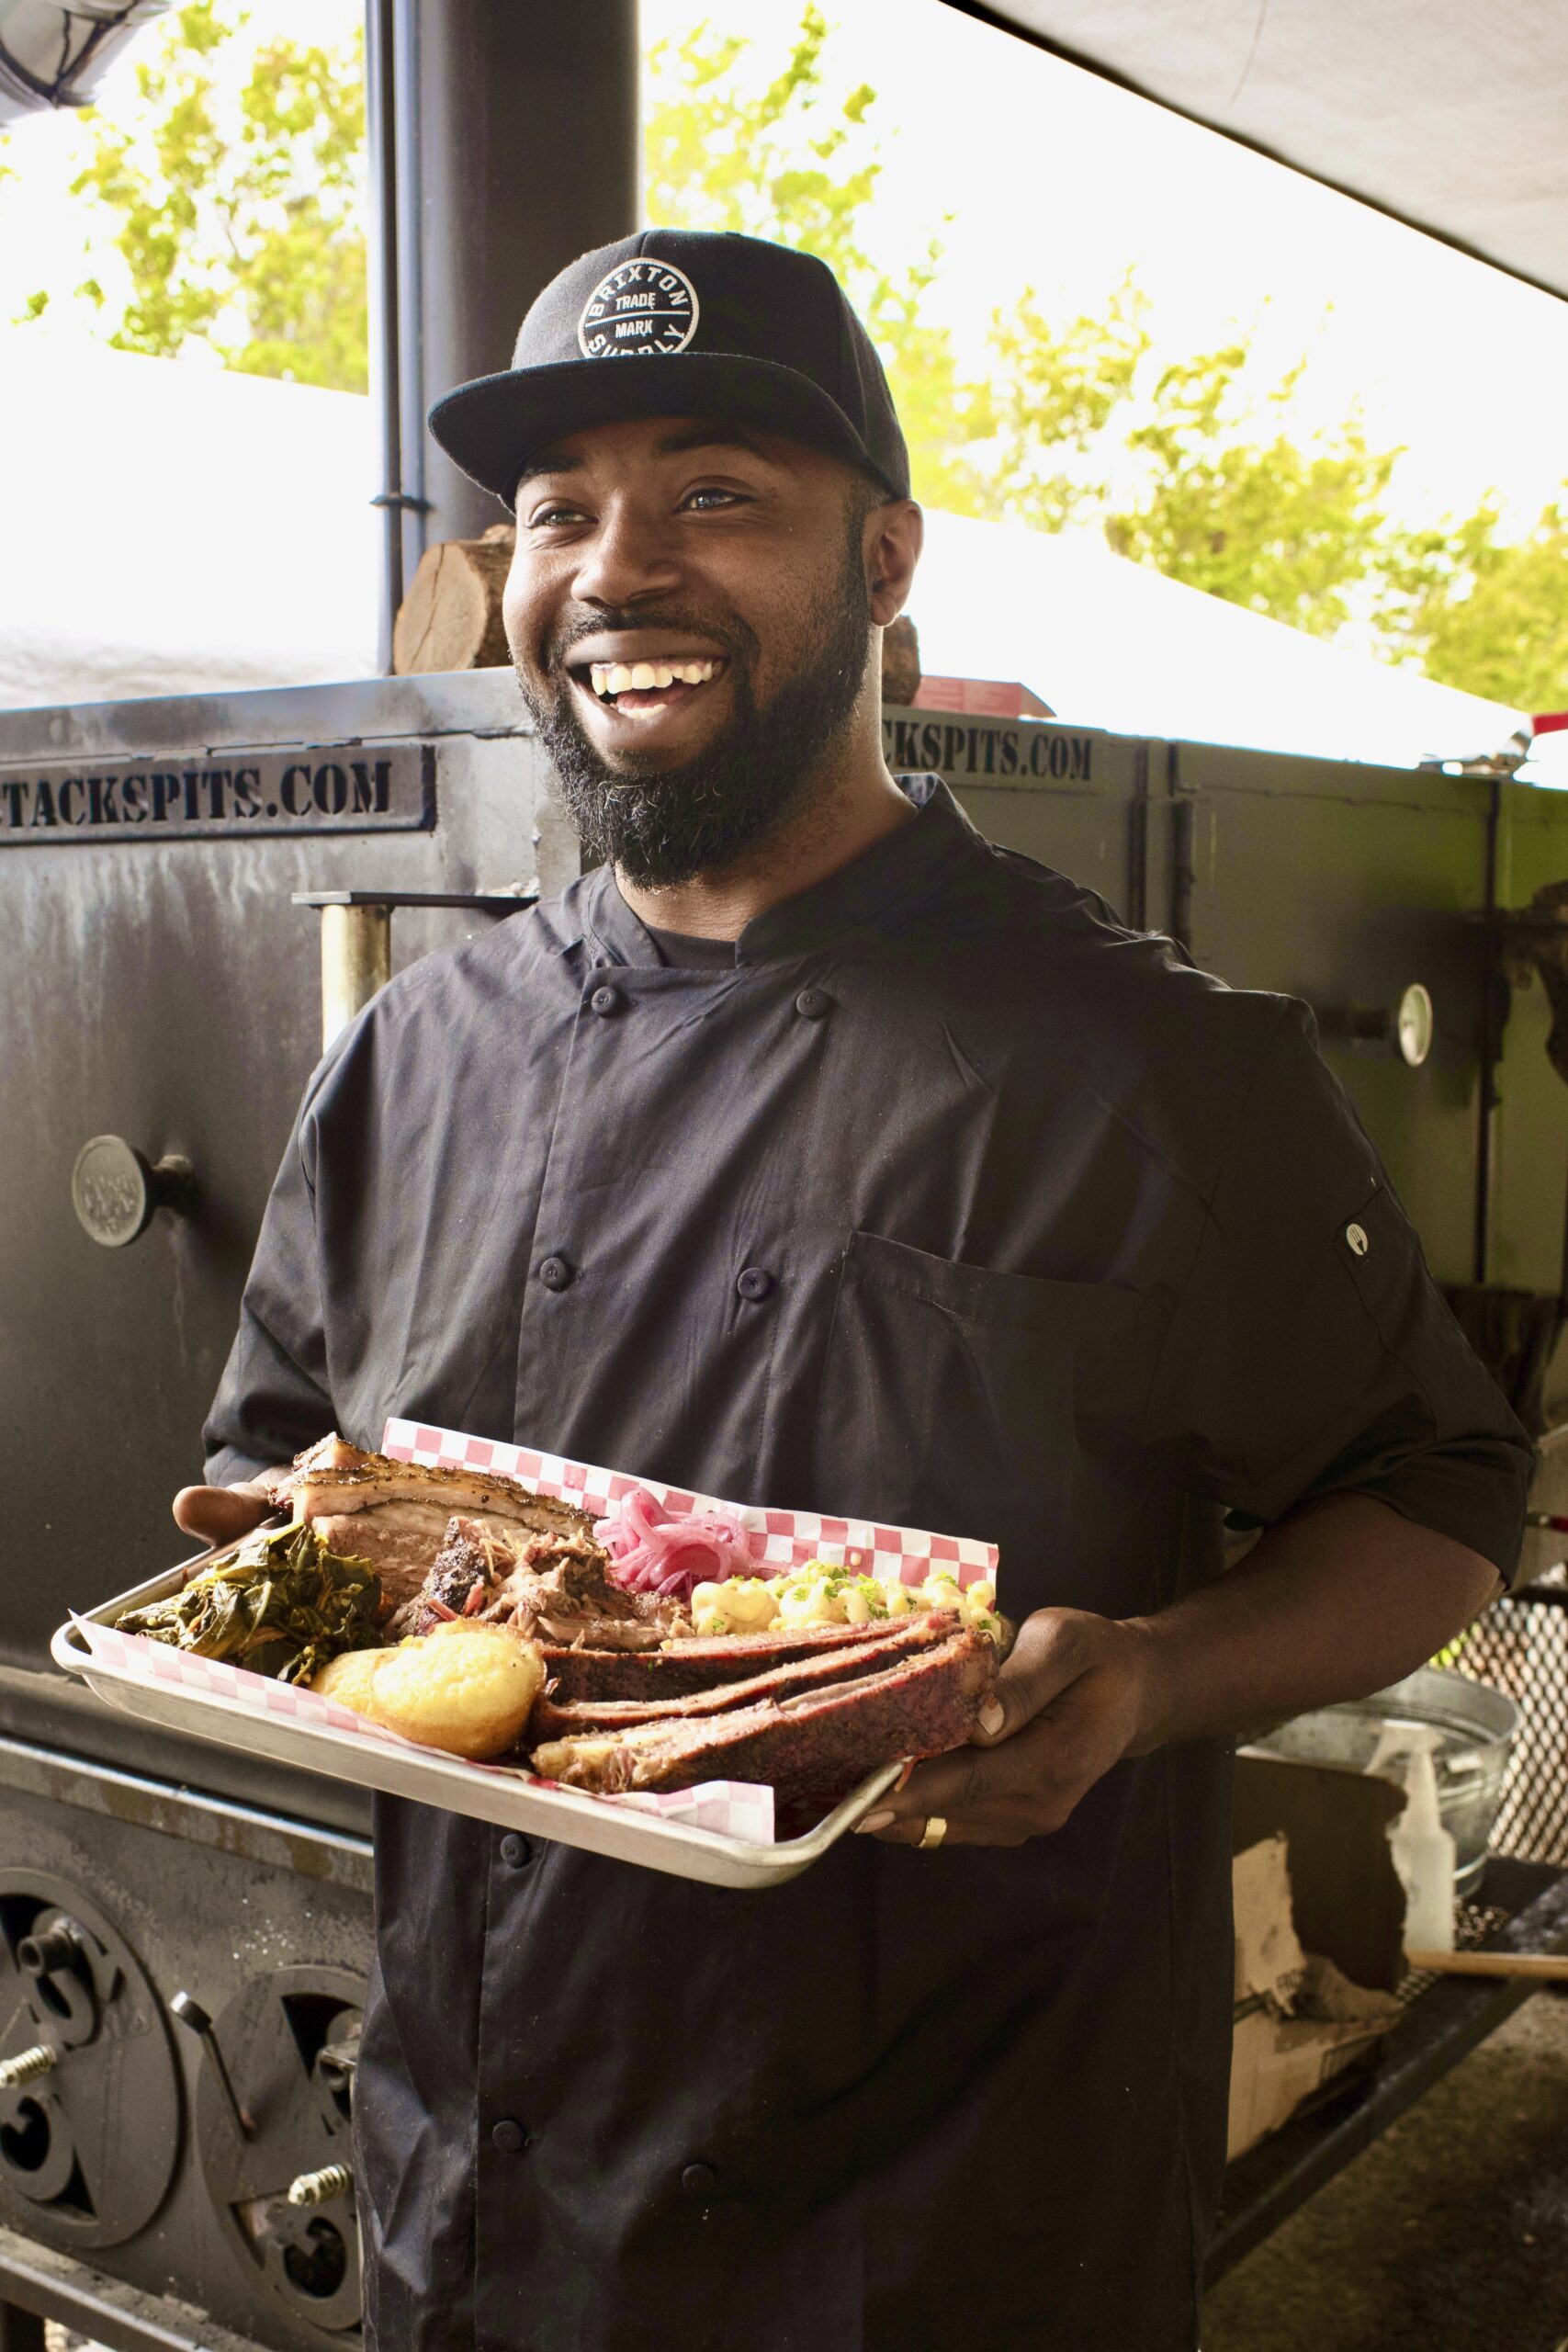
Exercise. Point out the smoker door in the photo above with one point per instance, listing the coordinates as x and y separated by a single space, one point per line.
1343 885
1527 1203
165 991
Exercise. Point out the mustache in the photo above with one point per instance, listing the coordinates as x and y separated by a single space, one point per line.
731 635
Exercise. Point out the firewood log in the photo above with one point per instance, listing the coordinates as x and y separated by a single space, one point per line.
450 619
900 660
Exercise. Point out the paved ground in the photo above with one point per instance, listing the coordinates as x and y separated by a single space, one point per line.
1450 2234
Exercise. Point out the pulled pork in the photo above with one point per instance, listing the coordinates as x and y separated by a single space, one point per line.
555 1588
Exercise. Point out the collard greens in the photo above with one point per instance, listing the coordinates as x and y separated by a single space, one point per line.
281 1605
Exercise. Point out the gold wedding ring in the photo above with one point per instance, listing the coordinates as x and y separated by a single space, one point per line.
932 1835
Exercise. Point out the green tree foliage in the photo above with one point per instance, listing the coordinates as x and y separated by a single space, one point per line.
237 204
240 211
1230 502
1043 411
1483 612
799 164
1187 465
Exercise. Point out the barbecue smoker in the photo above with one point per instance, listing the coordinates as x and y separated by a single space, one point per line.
184 1933
191 890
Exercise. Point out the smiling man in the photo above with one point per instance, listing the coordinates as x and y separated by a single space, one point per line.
812 1150
692 617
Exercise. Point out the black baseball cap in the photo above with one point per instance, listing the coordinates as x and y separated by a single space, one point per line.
716 326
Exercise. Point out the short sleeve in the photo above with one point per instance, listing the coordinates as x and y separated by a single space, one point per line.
274 1398
1309 1352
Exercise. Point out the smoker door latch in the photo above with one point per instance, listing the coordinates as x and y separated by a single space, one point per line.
116 1190
189 2013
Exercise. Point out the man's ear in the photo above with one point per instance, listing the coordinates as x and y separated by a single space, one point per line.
894 535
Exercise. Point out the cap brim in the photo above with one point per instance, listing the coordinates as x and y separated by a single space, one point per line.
492 426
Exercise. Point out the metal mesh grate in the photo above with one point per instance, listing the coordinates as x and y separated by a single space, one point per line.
1520 1646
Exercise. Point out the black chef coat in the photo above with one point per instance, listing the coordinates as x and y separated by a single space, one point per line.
1065 1245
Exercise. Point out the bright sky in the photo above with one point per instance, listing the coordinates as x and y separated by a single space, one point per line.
1032 174
1054 179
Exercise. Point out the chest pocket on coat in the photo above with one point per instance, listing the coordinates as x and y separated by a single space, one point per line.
992 1405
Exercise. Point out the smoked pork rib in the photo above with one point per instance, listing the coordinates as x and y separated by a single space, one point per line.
813 1748
553 1719
700 1663
394 1514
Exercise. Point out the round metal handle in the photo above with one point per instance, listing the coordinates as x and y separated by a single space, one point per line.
115 1190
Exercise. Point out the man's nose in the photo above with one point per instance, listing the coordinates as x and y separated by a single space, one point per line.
630 554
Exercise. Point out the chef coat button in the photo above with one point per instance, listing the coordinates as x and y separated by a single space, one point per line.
754 1283
1356 1235
605 1001
812 1003
699 2180
509 2137
555 1274
517 1850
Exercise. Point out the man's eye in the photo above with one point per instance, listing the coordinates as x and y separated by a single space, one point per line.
703 500
545 515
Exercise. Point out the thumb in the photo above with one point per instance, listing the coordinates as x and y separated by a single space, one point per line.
1051 1652
222 1514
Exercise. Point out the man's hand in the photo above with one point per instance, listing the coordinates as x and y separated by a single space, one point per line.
1339 1600
1070 1702
222 1514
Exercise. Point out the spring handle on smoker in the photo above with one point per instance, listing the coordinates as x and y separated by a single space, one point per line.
320 2188
27 2066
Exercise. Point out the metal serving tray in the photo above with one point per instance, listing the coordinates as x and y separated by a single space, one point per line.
510 1798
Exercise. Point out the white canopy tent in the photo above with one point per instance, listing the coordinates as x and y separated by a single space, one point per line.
1116 645
173 529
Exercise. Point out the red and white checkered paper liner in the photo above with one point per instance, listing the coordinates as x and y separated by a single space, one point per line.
733 1808
779 1539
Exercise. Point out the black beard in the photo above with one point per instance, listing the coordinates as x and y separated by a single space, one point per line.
670 824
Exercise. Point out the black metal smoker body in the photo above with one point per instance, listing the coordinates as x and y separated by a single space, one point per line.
165 989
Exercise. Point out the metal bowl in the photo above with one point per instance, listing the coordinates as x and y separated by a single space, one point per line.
1478 1727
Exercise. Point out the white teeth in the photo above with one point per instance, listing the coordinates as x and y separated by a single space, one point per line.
662 674
620 677
642 676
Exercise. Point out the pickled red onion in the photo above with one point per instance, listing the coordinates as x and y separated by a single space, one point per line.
651 1550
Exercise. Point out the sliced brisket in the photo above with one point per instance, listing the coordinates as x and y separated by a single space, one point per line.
813 1748
701 1663
555 1719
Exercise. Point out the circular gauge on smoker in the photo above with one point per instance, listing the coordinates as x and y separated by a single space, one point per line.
1414 1026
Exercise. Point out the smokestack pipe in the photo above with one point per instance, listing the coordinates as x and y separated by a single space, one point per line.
504 140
